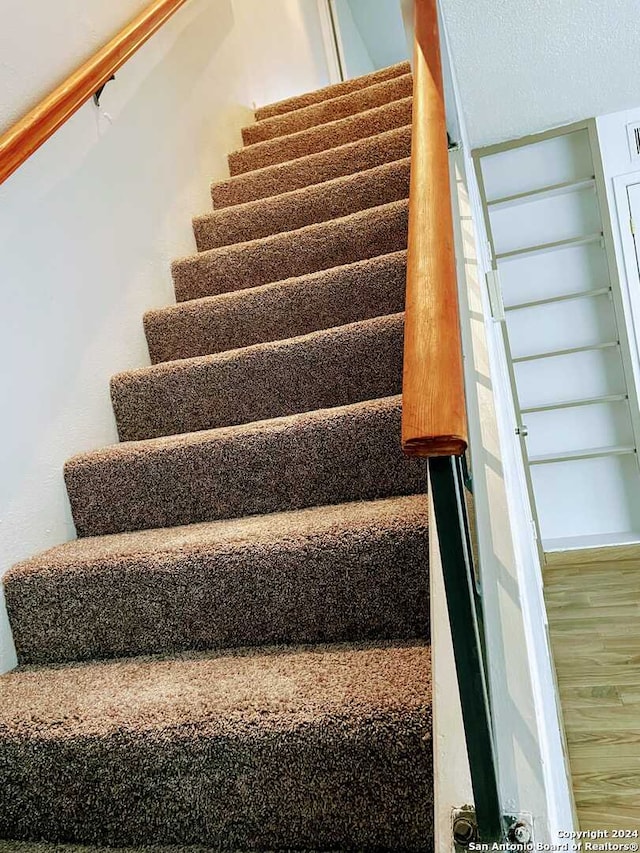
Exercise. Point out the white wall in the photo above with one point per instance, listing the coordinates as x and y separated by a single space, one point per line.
380 25
89 224
354 54
528 65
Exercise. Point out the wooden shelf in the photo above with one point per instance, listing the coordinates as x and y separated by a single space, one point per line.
572 404
549 247
573 455
569 351
542 192
580 294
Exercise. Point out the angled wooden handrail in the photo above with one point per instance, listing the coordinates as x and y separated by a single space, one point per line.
19 142
433 404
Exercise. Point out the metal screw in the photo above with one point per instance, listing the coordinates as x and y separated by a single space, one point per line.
465 830
520 832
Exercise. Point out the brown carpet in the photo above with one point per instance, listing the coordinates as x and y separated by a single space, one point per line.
328 111
327 746
323 574
234 654
327 456
375 231
45 847
314 139
334 91
346 159
306 206
282 309
333 367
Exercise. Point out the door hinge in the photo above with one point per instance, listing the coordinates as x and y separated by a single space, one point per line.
632 226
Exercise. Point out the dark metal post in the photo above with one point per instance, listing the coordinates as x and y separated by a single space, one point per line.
463 603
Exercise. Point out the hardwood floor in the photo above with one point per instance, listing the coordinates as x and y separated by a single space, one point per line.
593 605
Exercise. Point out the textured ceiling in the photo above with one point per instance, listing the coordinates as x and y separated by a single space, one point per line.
527 66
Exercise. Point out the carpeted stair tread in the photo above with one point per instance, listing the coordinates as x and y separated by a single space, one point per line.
326 111
326 746
365 234
333 91
316 168
54 847
328 456
321 370
325 136
306 206
283 309
325 574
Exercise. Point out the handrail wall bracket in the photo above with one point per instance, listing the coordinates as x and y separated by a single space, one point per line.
98 93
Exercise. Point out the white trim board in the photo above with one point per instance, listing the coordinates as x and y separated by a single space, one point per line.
619 170
628 268
533 771
579 543
329 40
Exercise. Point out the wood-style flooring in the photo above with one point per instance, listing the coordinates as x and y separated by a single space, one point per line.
593 605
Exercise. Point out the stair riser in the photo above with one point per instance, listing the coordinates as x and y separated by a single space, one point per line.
324 166
319 371
320 458
290 211
331 92
260 791
327 136
326 111
274 312
373 232
312 591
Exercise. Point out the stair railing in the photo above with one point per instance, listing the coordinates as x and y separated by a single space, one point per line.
433 402
27 135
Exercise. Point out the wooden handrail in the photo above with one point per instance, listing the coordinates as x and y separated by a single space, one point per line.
30 132
433 404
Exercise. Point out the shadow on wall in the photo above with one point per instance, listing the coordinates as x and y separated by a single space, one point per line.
372 36
88 230
508 604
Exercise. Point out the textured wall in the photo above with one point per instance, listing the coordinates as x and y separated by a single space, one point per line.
523 66
89 224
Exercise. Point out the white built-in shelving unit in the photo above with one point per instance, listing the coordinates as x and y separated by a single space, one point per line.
555 290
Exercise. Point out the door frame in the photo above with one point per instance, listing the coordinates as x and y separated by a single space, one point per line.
630 274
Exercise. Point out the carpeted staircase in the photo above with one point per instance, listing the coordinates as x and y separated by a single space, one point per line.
234 654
